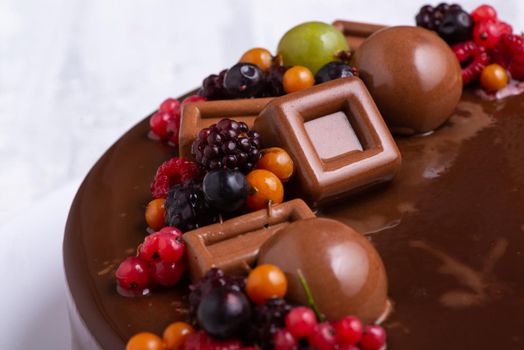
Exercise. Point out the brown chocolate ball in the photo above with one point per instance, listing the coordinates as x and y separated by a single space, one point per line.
343 270
413 76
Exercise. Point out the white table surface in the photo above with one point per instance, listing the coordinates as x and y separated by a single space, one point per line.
76 74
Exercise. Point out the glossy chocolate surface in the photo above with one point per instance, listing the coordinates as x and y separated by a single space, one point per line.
413 77
199 115
449 228
234 244
330 165
343 270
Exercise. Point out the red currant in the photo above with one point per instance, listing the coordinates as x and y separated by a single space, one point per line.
483 13
170 105
373 338
301 321
349 330
159 124
194 98
166 245
284 340
323 337
347 347
167 273
133 274
488 33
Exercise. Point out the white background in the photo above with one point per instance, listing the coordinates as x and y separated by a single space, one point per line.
76 74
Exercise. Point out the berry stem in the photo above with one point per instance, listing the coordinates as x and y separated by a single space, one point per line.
311 301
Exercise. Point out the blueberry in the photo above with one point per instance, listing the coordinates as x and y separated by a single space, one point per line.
333 70
226 189
456 26
224 313
244 80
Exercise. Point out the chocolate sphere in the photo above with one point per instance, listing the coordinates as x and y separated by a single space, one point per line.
343 270
413 76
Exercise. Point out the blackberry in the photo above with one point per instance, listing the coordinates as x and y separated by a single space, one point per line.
213 87
266 320
213 279
430 17
274 85
186 207
227 144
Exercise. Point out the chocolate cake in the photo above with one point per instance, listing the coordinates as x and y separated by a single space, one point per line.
449 229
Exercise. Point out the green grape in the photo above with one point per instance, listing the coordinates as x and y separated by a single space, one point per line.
311 44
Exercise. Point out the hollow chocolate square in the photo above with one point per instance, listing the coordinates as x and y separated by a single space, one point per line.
199 115
356 32
336 137
234 244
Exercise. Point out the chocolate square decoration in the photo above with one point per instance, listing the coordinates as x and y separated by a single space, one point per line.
336 137
234 244
356 32
199 115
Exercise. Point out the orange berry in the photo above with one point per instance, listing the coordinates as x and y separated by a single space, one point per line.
155 214
493 77
175 335
277 161
263 187
265 282
145 341
259 56
297 78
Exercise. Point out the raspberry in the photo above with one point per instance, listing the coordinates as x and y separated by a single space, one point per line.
227 144
172 172
509 53
186 207
467 51
213 87
201 341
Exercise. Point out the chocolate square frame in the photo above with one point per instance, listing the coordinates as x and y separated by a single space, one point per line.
282 123
199 115
234 244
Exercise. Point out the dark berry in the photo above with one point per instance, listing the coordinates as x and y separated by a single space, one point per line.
213 279
333 70
274 80
244 80
266 320
186 207
228 144
133 274
473 59
224 313
213 87
171 172
284 340
456 26
225 189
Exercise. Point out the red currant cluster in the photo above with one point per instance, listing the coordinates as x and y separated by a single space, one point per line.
159 261
489 51
165 122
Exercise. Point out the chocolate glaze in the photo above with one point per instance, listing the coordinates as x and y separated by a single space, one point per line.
343 270
450 230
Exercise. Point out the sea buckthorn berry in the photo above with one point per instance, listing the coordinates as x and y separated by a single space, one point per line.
133 274
277 161
284 340
493 78
266 282
145 341
323 337
155 214
297 78
373 338
349 330
259 56
263 187
301 321
175 335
